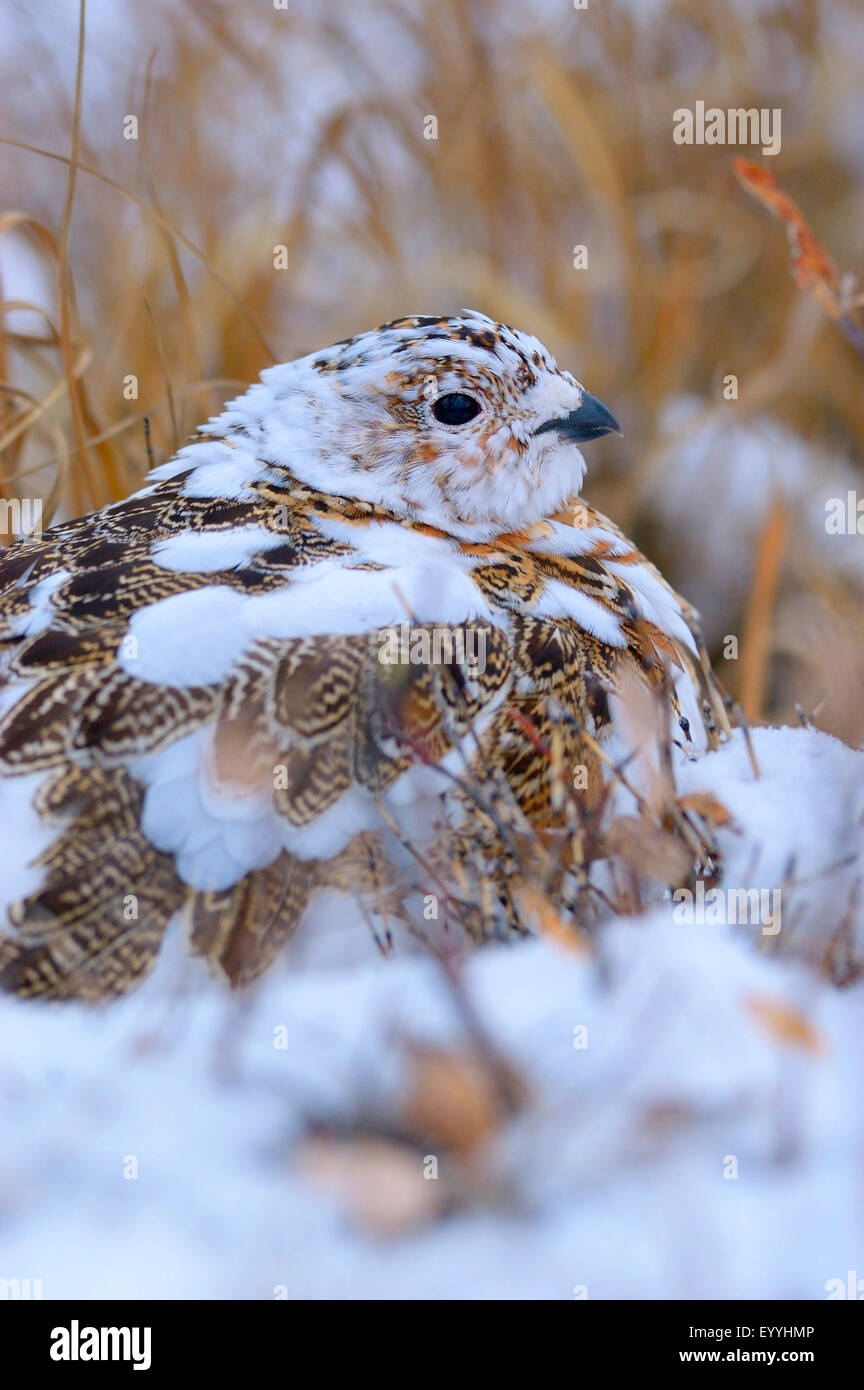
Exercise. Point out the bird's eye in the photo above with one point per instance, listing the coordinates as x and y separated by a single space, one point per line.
455 408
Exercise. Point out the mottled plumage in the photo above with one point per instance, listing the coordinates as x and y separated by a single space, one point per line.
196 712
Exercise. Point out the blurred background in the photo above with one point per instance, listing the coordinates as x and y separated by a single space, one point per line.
424 155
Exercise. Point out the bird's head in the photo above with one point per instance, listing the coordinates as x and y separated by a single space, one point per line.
460 422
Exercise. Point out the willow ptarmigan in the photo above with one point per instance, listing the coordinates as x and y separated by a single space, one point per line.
354 637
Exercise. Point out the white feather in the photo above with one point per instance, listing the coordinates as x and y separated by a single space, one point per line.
559 600
203 552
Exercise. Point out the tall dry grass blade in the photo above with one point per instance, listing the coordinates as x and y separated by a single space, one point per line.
84 487
160 221
759 618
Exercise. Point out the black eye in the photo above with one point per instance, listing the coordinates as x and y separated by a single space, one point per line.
455 408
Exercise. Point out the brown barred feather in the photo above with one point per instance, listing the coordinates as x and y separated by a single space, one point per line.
242 930
96 926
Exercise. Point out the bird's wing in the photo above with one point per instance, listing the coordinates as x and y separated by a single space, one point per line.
197 706
575 585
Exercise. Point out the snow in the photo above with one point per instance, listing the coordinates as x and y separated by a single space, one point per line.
797 828
704 1055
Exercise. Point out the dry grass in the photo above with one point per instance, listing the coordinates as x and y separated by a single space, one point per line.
260 127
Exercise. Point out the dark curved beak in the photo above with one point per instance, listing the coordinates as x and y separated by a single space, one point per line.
591 421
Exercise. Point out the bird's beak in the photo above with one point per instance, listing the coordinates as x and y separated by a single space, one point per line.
590 421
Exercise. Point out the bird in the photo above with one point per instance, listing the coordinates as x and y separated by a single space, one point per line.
353 637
